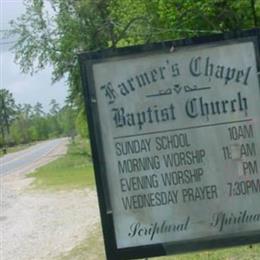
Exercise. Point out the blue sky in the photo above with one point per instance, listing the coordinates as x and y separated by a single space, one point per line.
25 88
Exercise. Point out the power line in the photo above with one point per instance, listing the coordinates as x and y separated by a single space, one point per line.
5 30
7 43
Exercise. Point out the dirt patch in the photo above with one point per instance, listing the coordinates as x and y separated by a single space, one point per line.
43 225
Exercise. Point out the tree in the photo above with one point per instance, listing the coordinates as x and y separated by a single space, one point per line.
93 25
38 110
20 128
24 123
75 26
66 119
7 113
53 118
38 123
44 39
172 19
55 107
27 110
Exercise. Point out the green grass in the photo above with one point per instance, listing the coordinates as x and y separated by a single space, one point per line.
92 248
73 170
235 253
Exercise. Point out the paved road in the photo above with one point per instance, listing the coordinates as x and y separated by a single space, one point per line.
28 158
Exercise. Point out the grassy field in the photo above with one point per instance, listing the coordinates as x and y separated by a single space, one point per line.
74 170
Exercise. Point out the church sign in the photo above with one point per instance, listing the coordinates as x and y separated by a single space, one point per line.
175 132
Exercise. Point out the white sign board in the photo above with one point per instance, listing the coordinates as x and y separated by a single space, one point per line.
180 133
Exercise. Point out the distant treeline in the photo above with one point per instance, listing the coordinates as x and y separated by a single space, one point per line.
22 124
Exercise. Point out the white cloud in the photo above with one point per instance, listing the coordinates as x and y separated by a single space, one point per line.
31 89
25 88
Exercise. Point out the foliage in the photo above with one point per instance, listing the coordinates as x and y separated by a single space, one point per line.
81 124
23 124
7 112
56 38
159 20
55 31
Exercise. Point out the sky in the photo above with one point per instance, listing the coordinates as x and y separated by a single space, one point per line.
24 87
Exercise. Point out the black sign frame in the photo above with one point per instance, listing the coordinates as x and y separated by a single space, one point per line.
86 61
